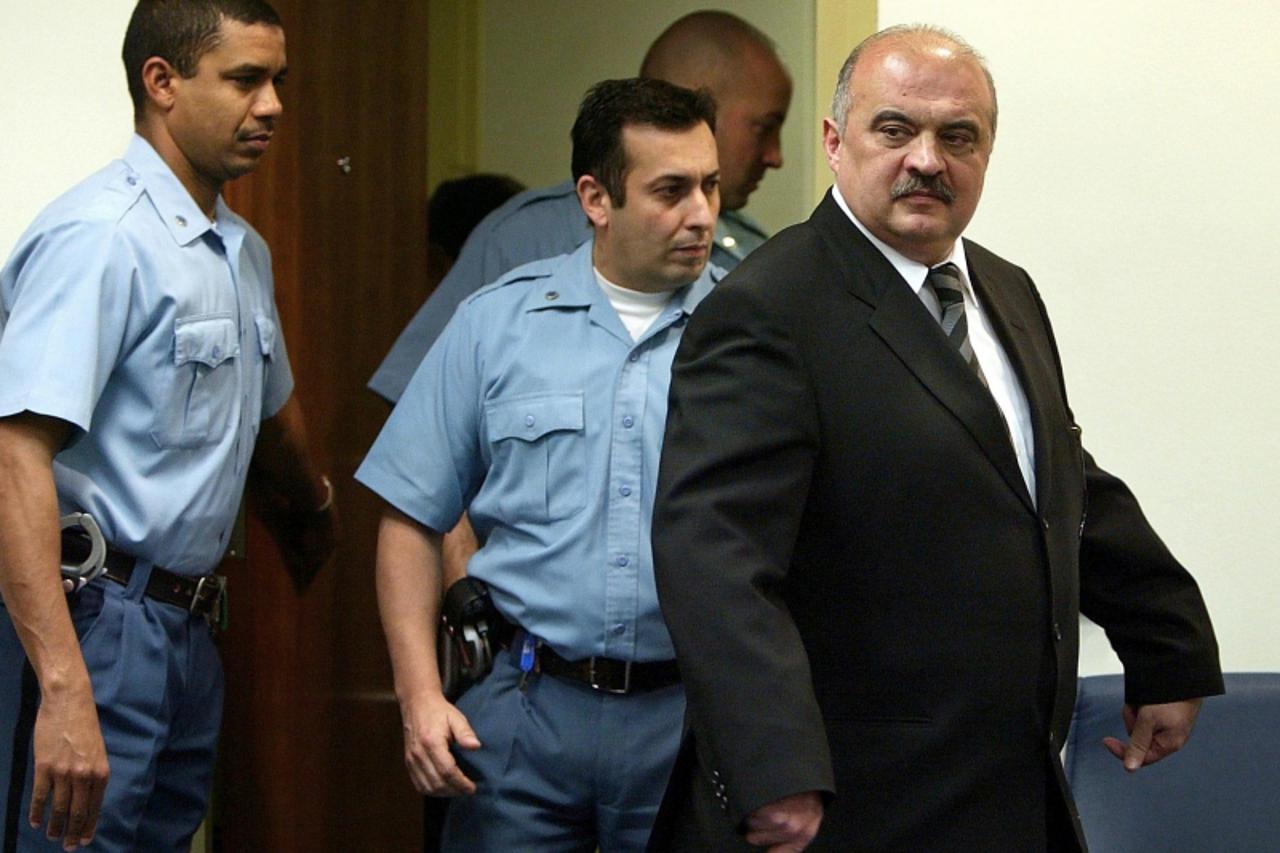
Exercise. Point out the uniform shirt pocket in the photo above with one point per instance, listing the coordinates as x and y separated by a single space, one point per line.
539 456
201 397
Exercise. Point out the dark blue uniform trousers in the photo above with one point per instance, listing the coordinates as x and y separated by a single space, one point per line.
562 767
157 682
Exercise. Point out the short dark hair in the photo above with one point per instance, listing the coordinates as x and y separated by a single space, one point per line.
611 105
180 32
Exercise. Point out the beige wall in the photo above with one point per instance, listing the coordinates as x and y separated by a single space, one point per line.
65 107
1135 176
538 59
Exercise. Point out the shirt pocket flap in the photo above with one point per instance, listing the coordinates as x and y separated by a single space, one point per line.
532 416
209 340
266 334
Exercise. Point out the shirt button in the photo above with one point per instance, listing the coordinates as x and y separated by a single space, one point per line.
217 352
635 356
131 181
619 629
528 420
181 220
625 491
551 295
622 561
628 422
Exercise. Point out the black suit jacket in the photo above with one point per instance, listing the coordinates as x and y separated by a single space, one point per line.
864 598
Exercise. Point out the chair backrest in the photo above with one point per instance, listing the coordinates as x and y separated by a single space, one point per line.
1221 792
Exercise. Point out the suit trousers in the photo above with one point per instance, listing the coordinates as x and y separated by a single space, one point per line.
158 684
561 767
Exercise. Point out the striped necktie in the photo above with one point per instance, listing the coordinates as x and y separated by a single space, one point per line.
944 281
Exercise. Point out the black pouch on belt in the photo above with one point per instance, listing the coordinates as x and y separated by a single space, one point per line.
470 634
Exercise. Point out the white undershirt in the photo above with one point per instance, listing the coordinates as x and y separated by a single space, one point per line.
1001 379
635 308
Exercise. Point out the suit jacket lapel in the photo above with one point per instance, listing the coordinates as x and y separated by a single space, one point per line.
1038 379
906 327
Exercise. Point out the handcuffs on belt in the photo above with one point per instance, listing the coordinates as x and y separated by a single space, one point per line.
76 577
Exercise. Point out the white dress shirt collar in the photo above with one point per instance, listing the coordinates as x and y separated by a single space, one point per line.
913 272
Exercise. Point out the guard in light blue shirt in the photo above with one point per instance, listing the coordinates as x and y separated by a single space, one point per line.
542 409
152 329
140 352
534 224
718 51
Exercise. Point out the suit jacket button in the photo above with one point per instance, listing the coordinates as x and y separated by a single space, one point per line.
1057 633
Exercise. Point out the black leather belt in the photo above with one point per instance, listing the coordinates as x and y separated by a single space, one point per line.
607 675
199 595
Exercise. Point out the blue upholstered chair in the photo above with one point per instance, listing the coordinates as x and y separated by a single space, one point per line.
1221 792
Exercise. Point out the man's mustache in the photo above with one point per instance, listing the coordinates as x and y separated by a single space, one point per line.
930 185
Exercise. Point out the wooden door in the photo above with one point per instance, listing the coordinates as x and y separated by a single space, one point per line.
311 747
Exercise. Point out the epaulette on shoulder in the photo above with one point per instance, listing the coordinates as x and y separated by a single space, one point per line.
531 271
106 201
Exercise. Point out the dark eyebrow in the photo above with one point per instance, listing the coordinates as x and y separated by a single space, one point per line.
964 124
249 68
889 114
671 177
682 178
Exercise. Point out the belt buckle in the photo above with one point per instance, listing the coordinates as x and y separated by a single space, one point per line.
596 685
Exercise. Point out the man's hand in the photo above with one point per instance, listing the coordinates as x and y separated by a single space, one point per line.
70 760
786 825
71 767
305 534
1154 732
430 725
296 503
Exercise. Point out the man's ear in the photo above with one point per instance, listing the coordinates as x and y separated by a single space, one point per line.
831 143
595 201
159 79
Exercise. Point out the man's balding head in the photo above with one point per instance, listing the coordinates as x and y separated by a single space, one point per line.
920 38
739 65
910 137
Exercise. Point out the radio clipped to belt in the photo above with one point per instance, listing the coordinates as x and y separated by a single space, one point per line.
467 638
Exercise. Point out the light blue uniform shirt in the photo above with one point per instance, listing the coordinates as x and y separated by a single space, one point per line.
535 224
154 332
537 412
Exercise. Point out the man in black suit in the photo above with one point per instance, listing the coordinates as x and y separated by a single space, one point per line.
871 536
